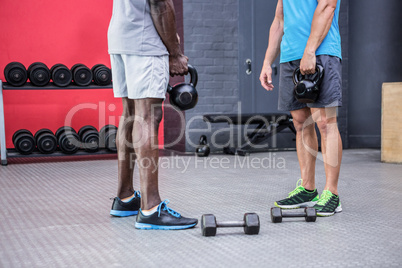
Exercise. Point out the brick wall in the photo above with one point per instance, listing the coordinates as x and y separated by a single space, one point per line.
211 43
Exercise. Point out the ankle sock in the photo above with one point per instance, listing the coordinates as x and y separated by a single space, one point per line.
310 191
128 199
149 211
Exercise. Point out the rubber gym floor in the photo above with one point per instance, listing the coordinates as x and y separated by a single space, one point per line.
56 214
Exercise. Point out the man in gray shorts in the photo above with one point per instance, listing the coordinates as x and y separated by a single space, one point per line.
144 47
306 33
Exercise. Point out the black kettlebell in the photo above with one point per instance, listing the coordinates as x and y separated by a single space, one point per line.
184 96
307 89
203 149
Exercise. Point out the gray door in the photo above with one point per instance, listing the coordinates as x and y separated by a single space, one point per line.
255 18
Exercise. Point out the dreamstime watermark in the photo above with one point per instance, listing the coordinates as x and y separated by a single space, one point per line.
184 163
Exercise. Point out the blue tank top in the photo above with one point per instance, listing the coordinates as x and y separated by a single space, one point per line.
297 26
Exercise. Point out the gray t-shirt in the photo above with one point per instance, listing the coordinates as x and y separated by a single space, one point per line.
132 31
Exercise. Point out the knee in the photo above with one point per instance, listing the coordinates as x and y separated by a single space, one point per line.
151 116
298 124
325 124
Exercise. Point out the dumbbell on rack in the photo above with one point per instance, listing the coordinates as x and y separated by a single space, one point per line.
82 75
46 141
24 141
89 138
310 214
61 75
101 74
107 137
250 223
68 140
15 74
39 74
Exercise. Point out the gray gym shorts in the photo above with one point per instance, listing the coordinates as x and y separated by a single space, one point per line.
330 89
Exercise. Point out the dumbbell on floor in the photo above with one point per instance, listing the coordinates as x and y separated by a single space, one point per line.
310 214
24 141
46 141
15 74
107 137
90 138
68 140
250 223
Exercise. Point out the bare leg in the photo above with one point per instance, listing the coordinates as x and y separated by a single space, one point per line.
306 143
331 145
148 114
125 150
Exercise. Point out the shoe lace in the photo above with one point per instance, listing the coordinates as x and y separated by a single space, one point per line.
163 207
137 194
299 188
325 197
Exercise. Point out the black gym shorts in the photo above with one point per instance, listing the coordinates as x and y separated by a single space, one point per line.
330 89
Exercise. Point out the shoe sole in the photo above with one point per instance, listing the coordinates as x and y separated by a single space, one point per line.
145 226
301 205
122 213
327 214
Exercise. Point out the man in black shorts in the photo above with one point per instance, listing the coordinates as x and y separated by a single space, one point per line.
306 33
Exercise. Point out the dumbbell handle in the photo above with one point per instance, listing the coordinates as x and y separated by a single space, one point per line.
288 214
230 224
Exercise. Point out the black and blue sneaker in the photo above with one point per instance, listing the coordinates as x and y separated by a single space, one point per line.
125 209
164 218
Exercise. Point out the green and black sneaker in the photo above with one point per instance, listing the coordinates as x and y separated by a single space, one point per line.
299 198
328 204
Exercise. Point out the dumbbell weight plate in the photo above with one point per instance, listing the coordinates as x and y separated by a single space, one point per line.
208 225
276 215
102 134
85 128
41 131
90 140
252 223
20 132
39 74
61 75
101 75
82 75
110 140
69 142
46 141
15 74
63 129
311 214
24 143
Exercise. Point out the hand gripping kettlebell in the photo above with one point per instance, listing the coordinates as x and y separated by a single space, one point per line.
184 96
307 90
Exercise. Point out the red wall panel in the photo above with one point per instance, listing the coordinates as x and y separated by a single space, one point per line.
49 31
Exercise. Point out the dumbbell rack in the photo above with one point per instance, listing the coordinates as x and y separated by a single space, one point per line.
29 86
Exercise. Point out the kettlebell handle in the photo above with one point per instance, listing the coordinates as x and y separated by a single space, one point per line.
193 75
318 68
193 78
